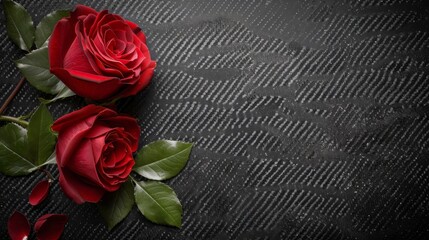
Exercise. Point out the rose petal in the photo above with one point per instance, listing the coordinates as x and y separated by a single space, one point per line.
60 42
39 193
76 116
75 59
82 10
145 78
85 84
69 142
136 29
50 226
83 162
130 125
18 226
98 130
77 189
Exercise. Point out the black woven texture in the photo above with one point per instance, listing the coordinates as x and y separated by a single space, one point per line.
309 118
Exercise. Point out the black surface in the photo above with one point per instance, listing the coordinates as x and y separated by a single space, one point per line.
310 119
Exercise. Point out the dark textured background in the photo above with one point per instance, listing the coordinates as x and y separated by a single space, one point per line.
310 119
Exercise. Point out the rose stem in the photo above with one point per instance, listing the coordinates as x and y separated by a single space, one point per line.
15 120
12 95
48 174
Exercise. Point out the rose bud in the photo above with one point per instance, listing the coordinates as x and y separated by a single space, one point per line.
18 226
99 55
94 151
39 192
50 226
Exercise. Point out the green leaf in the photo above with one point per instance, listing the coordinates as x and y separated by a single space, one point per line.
162 159
115 206
46 26
35 68
51 160
41 140
19 24
158 203
64 93
14 158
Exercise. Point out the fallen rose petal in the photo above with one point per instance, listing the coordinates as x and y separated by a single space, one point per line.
39 193
18 226
50 226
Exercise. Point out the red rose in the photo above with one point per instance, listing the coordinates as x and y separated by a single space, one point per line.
94 151
99 55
